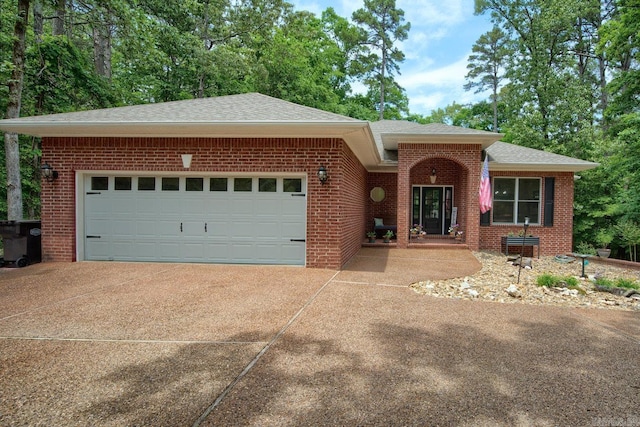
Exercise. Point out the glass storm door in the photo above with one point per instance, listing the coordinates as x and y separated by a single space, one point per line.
432 208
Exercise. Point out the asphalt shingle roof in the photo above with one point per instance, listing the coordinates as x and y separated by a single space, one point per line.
256 114
503 155
249 107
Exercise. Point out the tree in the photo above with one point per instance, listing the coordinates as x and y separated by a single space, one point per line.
383 24
11 141
487 66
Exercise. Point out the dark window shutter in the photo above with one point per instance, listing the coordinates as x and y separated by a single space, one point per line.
485 218
549 193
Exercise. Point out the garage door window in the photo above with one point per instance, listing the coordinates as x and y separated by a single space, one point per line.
292 185
267 185
99 183
146 183
170 184
242 184
195 184
218 184
123 183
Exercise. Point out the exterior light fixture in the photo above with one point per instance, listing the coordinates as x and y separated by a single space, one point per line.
433 176
323 175
48 173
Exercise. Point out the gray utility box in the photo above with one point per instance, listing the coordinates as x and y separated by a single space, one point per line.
22 242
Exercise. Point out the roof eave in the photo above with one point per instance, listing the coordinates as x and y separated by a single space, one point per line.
184 129
541 167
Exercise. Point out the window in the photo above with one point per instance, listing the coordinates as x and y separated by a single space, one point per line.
170 184
99 183
122 183
194 184
292 185
267 185
218 184
516 198
242 184
146 183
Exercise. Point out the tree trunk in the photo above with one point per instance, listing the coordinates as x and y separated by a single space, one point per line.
38 20
58 21
11 143
382 85
102 49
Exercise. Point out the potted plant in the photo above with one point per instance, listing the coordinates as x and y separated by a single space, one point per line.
453 230
387 236
604 237
372 236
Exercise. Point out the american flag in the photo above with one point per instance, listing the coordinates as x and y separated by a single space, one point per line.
485 187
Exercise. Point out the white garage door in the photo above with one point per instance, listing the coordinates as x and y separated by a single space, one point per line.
252 220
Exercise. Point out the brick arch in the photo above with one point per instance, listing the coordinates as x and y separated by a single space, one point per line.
447 156
463 161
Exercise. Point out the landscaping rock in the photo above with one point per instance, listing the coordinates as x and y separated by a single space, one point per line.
498 275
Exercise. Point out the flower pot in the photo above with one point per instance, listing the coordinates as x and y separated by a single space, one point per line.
372 239
387 240
604 253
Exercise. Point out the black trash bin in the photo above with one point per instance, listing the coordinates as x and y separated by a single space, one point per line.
22 242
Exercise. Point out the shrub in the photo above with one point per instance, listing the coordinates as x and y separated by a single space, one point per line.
550 281
627 284
604 282
547 280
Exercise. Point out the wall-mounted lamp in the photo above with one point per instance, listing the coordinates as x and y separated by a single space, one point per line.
323 175
48 173
433 176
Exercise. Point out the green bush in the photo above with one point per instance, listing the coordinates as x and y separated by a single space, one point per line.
604 282
618 283
547 280
627 284
550 281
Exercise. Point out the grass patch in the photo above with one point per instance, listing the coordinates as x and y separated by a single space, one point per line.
550 281
621 282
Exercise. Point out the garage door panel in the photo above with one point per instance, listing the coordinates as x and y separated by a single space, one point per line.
195 226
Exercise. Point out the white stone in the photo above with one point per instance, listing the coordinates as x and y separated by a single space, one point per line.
473 293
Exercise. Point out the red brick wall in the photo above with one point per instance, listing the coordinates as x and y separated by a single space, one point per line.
553 240
335 211
351 193
386 209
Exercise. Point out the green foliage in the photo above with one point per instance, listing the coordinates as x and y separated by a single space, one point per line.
585 248
620 282
382 23
550 281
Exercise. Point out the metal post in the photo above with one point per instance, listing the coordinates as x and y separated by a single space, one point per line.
524 236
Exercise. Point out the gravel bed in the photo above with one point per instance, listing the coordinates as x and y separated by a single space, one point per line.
498 281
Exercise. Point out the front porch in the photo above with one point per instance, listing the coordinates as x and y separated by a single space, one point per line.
428 242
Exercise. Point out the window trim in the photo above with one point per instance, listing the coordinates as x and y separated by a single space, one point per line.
517 200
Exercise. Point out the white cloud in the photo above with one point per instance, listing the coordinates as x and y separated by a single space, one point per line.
434 12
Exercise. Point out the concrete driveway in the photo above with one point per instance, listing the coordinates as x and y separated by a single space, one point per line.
180 345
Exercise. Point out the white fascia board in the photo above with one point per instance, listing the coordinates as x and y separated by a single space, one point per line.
541 167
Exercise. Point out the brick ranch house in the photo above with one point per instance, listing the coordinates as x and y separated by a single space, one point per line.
235 179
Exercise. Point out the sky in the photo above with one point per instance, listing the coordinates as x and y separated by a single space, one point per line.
439 44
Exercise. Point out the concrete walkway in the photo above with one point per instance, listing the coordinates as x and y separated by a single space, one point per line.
115 344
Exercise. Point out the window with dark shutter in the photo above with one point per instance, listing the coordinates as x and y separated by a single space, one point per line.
549 193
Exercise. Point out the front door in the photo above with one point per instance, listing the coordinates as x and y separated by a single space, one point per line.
432 208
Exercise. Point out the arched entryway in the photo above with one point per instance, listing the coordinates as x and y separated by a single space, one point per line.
438 188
